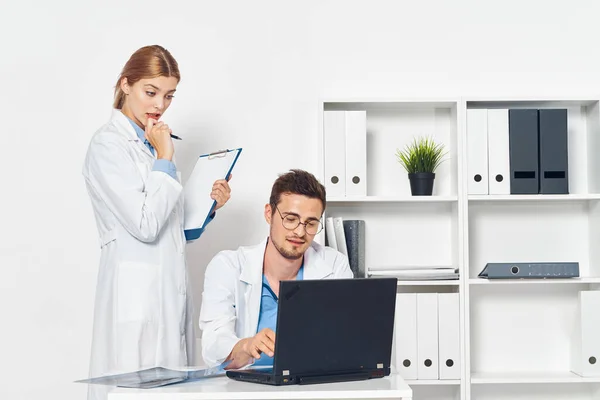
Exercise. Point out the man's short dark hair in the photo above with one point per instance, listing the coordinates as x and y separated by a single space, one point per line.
300 182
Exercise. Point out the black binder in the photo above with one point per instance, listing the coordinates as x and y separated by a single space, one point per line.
523 149
554 170
354 230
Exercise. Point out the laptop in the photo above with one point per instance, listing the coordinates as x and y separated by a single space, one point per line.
330 331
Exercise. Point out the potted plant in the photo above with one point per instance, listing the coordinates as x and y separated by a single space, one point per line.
421 159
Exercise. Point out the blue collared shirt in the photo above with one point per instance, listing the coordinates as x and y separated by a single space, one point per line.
167 167
267 317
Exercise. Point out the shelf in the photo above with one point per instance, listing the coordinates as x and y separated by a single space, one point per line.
567 281
533 197
393 199
381 273
455 282
530 102
432 382
375 103
482 378
472 198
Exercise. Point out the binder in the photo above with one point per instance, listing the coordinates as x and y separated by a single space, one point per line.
523 149
534 270
498 152
356 153
340 236
354 230
554 165
427 334
330 233
477 153
405 335
334 144
585 345
449 335
198 205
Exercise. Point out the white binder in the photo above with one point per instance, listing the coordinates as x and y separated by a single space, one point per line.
449 335
405 335
427 336
356 153
198 205
330 232
498 152
585 347
334 143
477 151
340 235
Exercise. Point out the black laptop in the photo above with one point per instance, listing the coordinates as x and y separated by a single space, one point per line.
330 331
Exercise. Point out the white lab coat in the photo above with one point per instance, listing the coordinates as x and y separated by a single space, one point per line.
143 307
232 293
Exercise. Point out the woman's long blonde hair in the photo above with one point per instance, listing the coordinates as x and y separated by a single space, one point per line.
147 62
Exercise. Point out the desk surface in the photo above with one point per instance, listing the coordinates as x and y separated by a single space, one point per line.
223 388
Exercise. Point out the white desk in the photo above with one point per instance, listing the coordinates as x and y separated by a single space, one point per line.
391 387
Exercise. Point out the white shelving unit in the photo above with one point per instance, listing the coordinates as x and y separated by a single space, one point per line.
392 199
515 334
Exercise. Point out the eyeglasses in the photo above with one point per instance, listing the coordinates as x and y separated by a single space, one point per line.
291 222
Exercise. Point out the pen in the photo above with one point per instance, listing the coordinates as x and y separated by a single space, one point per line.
176 137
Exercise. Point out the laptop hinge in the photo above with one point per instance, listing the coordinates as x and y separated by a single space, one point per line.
354 376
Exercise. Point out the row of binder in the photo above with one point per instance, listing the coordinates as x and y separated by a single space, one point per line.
585 343
427 335
348 237
517 151
345 152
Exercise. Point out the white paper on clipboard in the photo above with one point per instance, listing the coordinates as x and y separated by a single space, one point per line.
209 167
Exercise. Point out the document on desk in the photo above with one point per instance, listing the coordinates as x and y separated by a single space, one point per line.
155 377
198 205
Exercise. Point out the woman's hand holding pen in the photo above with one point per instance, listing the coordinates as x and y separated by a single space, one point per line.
158 134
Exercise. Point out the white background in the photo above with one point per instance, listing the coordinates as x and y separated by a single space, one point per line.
252 75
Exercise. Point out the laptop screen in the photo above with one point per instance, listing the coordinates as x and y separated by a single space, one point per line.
335 325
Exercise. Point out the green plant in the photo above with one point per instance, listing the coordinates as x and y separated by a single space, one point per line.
422 155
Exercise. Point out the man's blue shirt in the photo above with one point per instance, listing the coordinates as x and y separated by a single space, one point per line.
268 313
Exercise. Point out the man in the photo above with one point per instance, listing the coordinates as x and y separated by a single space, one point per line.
239 303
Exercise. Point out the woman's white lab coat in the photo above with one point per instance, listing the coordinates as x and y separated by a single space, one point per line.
232 293
143 314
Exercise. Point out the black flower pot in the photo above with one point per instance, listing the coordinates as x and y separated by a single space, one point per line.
421 183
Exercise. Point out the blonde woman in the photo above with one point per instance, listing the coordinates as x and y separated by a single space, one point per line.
143 314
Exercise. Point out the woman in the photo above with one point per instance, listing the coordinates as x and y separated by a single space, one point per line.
143 314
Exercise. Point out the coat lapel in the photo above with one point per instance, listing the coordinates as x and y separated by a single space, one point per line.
251 275
123 123
314 266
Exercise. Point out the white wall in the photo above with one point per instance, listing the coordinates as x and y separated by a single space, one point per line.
253 72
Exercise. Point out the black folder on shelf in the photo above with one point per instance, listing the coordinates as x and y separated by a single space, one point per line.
354 230
553 140
523 150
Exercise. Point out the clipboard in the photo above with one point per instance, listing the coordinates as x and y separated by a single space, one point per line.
154 377
198 205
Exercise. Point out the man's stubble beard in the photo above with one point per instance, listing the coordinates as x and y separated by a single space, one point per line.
286 254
